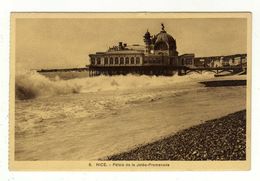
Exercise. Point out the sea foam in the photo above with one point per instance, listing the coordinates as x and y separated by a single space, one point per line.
30 84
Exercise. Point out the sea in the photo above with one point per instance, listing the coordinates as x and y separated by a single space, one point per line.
70 116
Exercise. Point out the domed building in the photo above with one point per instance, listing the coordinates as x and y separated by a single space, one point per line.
158 53
163 43
160 49
157 56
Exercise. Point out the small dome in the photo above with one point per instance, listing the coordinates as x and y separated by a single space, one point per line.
147 34
147 38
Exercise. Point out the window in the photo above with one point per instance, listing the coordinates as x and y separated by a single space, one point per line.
121 60
132 60
116 60
111 61
106 60
188 61
127 60
98 60
92 60
137 60
146 60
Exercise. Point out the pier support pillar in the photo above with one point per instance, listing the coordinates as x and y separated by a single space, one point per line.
179 72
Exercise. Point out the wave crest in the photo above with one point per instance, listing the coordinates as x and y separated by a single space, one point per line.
29 85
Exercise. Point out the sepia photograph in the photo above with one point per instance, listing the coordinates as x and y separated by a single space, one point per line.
130 91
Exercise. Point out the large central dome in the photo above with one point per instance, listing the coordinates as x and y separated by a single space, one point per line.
164 41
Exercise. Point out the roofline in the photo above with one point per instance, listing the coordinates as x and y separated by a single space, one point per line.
105 54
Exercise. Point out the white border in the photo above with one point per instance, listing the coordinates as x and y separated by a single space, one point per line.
130 6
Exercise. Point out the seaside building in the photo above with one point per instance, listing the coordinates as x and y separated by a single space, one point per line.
157 53
158 56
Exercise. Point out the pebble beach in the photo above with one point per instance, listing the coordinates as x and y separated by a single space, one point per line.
217 139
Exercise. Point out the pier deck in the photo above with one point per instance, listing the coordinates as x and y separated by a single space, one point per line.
147 70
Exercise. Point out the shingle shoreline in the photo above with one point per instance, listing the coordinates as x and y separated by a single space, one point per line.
218 139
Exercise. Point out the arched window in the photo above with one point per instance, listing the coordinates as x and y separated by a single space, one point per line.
116 60
132 60
98 60
111 60
92 60
127 60
137 60
106 61
121 60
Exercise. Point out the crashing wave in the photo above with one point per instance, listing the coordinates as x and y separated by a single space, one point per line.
29 85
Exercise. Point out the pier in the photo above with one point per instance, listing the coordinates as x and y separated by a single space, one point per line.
161 70
182 67
64 70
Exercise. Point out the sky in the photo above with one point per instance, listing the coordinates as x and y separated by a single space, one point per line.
67 42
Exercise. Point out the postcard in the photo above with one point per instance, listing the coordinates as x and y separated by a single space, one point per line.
130 91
